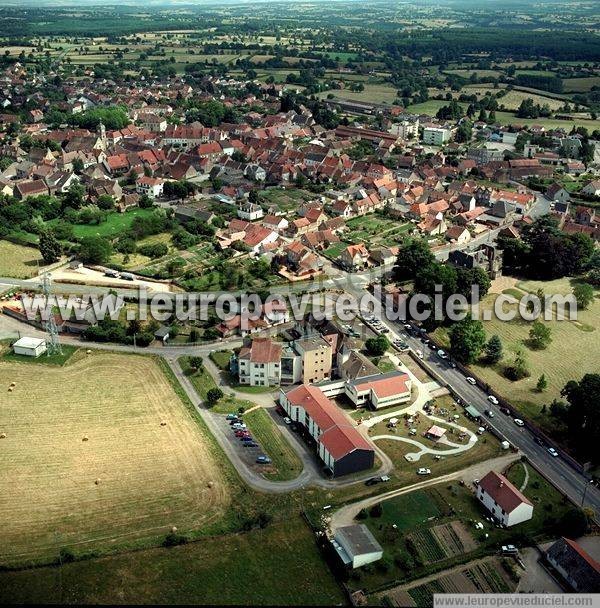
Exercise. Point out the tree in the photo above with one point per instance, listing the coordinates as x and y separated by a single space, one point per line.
213 396
493 349
582 415
196 363
519 369
573 523
467 339
413 256
145 202
106 202
73 197
540 335
95 250
377 346
50 248
584 295
542 384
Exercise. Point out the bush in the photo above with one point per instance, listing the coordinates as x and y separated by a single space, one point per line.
173 540
213 396
66 555
376 510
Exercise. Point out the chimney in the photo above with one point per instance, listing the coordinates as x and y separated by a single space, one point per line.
501 483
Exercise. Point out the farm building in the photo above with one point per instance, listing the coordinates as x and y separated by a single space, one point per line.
356 546
579 569
507 504
435 432
339 445
30 347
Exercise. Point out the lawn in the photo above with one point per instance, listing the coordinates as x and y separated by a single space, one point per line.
46 359
19 262
221 359
579 85
373 93
114 225
105 454
286 463
258 567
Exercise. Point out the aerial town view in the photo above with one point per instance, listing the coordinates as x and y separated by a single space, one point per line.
299 302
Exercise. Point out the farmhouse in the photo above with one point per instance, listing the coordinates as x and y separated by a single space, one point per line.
30 347
503 500
356 545
151 186
339 445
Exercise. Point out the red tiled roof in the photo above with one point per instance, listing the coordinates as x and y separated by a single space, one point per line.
385 386
263 350
338 437
503 492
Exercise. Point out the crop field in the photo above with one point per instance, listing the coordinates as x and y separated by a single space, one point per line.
376 230
114 225
98 453
19 262
579 85
373 93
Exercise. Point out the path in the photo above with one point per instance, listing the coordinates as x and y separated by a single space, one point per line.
526 480
345 516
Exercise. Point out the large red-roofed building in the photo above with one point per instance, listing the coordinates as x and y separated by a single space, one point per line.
507 504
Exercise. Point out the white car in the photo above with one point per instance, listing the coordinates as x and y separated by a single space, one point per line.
442 355
422 471
492 399
471 380
419 354
519 422
552 452
287 420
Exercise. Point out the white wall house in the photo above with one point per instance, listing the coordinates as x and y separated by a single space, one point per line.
506 504
356 545
435 136
260 363
151 186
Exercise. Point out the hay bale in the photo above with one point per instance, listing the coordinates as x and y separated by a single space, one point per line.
174 529
85 438
88 352
10 389
163 423
13 384
2 435
97 482
210 484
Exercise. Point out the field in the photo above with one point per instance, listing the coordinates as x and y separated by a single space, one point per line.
373 93
130 481
115 224
19 262
259 567
286 463
578 85
376 230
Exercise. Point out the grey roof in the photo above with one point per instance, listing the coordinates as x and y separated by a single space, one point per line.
358 366
358 539
582 570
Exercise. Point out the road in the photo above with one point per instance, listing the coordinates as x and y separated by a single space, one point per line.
557 470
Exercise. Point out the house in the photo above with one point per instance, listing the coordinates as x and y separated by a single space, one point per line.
316 356
485 256
555 192
579 569
435 136
30 347
260 363
26 189
338 443
150 186
162 333
275 222
250 211
507 504
458 234
354 257
591 188
356 545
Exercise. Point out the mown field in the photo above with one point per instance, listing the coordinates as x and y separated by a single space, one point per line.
87 463
260 567
19 262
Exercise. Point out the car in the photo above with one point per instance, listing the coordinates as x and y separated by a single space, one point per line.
452 365
552 452
489 413
539 440
509 550
492 399
287 420
250 444
372 481
262 459
441 354
423 471
280 410
247 438
240 433
471 380
425 341
519 422
505 410
385 478
419 354
407 326
240 426
231 417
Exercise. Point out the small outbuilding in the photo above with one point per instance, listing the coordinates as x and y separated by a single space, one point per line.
162 333
30 347
435 432
356 545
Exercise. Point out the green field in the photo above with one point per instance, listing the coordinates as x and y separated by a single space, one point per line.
254 568
580 85
114 225
286 463
19 262
373 93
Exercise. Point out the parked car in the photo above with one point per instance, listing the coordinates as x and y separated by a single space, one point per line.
492 399
519 422
471 380
552 452
489 413
262 459
375 480
419 354
280 410
509 550
231 417
423 471
287 420
247 438
250 444
441 354
505 410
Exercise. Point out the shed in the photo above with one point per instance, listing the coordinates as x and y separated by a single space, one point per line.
162 333
435 432
30 347
472 412
356 545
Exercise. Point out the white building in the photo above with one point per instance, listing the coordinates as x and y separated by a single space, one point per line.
30 347
435 136
507 504
260 363
151 186
356 545
250 212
